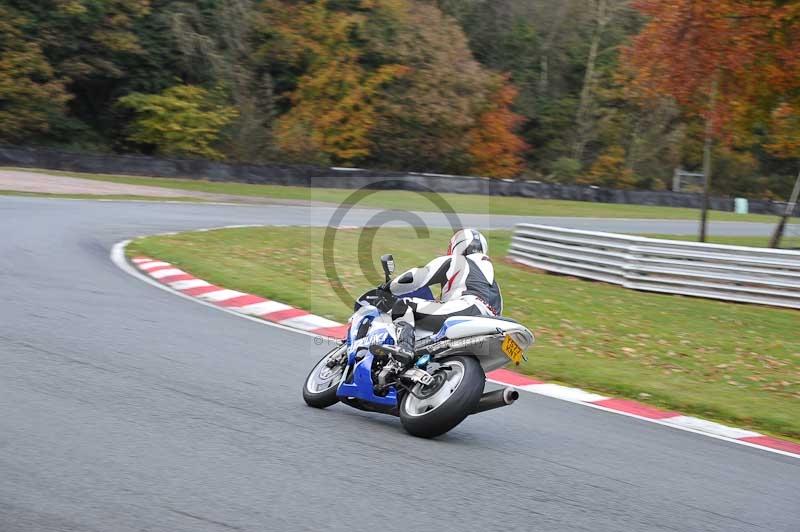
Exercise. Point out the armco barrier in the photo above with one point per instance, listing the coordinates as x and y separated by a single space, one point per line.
352 178
731 273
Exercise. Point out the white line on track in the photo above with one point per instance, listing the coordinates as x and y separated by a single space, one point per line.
118 258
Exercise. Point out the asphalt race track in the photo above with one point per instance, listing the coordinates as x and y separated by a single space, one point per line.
125 408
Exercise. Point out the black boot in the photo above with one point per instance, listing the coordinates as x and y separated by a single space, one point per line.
403 352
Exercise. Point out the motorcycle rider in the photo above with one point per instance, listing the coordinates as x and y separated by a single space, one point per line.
469 288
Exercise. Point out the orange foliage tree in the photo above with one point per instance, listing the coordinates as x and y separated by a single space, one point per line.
391 82
728 61
609 170
785 132
333 107
494 148
745 51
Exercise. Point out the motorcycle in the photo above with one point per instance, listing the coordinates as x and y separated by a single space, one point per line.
444 385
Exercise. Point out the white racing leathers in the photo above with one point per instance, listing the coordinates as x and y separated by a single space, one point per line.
468 289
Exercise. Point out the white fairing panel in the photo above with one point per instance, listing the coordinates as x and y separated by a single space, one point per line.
463 327
490 333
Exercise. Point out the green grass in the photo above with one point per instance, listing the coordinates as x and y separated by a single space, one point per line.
125 197
735 363
790 241
462 203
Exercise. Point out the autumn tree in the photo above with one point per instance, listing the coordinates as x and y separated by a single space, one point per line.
609 170
784 138
411 84
31 95
426 117
333 106
496 151
713 58
373 82
785 143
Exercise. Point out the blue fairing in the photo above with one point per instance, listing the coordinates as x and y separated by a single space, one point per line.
422 293
360 385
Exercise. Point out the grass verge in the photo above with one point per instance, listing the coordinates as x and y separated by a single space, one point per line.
462 203
735 363
125 197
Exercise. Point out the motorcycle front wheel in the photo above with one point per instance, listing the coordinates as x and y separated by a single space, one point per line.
319 390
432 410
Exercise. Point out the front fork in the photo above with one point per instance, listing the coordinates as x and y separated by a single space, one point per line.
338 358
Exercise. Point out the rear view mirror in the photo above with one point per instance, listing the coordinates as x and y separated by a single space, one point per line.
387 261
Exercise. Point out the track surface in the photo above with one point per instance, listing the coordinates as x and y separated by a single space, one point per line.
124 408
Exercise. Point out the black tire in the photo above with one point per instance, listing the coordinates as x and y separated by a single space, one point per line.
323 398
462 402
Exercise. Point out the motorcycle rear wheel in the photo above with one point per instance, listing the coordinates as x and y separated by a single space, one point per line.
431 412
319 388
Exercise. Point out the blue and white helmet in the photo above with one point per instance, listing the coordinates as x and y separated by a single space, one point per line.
466 242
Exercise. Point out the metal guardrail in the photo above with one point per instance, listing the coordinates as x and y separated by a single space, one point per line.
732 273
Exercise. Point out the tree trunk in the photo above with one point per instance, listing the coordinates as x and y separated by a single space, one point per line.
775 241
633 146
544 72
707 157
544 58
582 120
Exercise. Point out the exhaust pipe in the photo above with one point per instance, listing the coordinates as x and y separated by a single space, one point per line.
496 399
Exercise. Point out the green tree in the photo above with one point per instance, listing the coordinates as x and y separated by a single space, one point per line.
182 120
89 45
564 170
556 51
215 44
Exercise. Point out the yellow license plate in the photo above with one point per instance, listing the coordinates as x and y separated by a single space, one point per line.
512 350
